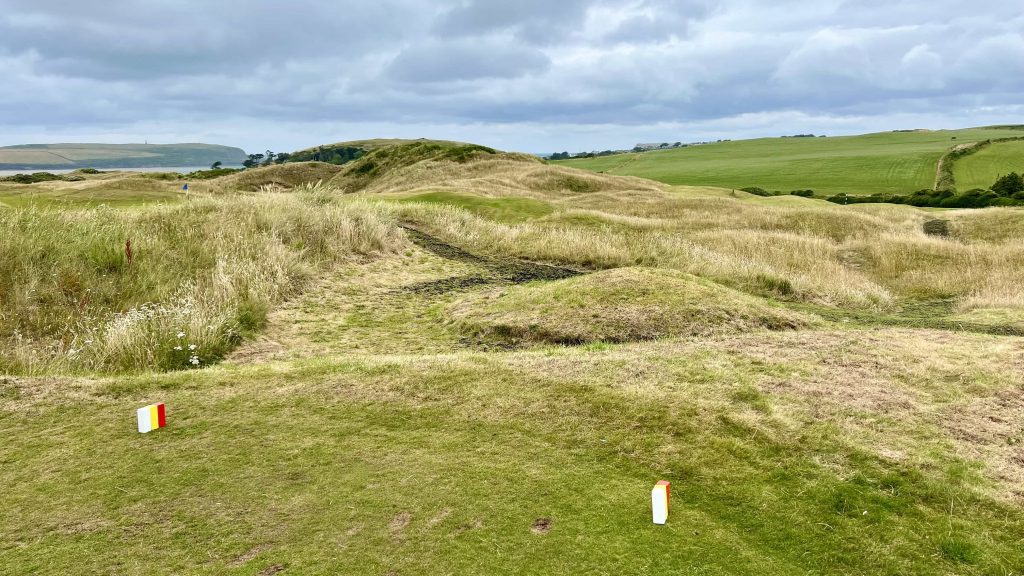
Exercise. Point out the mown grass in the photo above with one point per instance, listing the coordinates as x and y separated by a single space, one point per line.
981 169
889 163
442 464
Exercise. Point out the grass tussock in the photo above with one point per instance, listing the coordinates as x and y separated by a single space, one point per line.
201 276
277 177
626 304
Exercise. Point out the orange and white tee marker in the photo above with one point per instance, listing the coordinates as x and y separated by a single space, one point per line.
659 501
151 417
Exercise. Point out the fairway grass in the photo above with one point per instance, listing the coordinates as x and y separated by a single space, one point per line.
479 363
883 163
780 463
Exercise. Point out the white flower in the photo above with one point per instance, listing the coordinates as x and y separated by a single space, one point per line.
177 347
192 346
181 334
194 360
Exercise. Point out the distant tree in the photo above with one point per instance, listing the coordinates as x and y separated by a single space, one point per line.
257 158
282 157
216 165
1009 185
269 158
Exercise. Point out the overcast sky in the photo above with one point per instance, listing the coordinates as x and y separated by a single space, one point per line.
531 75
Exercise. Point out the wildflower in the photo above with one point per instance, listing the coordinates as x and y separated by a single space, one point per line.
194 360
181 334
192 346
177 347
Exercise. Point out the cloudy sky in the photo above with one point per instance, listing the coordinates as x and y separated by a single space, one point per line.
531 75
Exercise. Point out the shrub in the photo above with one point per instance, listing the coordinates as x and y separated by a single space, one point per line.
1009 185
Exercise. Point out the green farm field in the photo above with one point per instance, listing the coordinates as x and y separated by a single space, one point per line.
980 170
444 359
888 162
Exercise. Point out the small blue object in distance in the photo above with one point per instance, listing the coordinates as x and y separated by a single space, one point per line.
185 187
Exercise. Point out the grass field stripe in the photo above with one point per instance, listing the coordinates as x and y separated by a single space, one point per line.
145 422
161 414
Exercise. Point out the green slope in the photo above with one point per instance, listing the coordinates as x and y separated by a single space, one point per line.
43 156
980 170
888 162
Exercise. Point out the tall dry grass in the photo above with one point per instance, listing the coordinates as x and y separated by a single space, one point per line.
202 276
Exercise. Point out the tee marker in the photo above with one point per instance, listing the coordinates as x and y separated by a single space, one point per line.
659 501
151 417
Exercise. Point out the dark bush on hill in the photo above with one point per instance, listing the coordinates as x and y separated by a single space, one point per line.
210 174
762 192
1009 185
976 198
339 154
34 177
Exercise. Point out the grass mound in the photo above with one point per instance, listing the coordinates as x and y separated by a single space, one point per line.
286 176
621 305
388 160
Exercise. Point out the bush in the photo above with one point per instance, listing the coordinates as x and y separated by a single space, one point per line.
1009 185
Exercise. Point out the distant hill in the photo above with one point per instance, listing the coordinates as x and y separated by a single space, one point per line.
57 156
897 162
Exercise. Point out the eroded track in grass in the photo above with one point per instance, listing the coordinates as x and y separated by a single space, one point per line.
394 305
497 270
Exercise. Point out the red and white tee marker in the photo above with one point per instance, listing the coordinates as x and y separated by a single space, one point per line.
151 417
659 501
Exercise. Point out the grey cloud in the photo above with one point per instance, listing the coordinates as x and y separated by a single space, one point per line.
584 63
465 60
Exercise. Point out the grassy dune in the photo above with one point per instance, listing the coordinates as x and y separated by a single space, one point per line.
445 359
202 274
889 162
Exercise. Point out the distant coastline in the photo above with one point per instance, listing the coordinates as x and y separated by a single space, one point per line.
145 169
69 156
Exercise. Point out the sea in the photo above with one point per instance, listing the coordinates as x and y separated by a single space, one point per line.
178 169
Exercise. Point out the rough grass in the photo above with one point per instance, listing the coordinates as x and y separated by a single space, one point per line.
506 209
275 178
620 305
208 270
362 433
